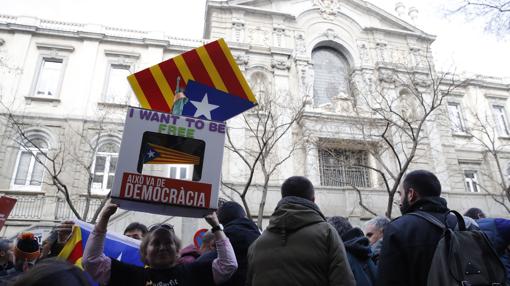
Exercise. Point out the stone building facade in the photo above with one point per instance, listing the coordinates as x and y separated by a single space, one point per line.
65 85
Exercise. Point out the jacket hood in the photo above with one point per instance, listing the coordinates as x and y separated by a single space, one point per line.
292 214
357 244
429 204
244 223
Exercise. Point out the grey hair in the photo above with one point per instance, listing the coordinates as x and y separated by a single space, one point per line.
380 222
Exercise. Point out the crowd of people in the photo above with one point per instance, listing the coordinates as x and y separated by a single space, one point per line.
300 246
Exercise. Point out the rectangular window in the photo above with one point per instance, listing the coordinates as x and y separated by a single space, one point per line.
181 171
48 79
117 89
501 120
29 172
340 168
455 114
471 180
104 172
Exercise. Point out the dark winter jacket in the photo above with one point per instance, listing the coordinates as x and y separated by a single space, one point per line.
498 232
241 232
360 257
409 243
376 250
298 248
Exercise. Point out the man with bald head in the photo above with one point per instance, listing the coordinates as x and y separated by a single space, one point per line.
298 247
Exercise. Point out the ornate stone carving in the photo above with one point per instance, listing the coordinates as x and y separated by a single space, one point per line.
280 64
300 44
328 8
363 53
259 36
2 42
381 51
330 34
237 30
386 76
421 80
279 35
241 59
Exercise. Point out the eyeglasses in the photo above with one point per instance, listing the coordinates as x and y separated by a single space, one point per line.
168 227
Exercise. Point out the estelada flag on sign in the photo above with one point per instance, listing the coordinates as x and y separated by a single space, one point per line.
211 64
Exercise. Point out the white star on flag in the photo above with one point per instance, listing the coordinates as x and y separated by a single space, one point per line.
150 154
203 107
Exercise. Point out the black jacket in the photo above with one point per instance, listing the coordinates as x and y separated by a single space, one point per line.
409 243
241 232
360 257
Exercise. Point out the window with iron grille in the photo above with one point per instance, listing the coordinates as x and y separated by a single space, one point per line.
340 167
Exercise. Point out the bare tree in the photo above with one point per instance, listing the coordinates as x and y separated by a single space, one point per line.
482 129
495 13
393 105
267 124
63 158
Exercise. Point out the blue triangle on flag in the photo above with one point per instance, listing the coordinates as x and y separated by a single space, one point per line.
150 154
209 103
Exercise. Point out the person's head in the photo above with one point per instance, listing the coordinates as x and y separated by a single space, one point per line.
475 213
416 185
53 272
374 228
298 186
26 251
341 224
230 211
135 230
160 247
208 242
6 254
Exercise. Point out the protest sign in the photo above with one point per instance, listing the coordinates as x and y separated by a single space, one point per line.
6 206
152 142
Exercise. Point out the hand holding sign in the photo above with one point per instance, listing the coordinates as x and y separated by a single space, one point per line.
212 219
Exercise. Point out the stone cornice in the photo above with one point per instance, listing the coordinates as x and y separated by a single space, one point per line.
422 35
223 5
94 32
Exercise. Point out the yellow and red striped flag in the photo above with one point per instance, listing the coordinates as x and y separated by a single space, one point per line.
73 249
157 154
211 64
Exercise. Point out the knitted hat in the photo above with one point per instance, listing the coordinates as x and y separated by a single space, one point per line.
230 211
27 247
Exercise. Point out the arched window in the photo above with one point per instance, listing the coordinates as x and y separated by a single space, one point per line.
259 84
29 170
331 75
105 164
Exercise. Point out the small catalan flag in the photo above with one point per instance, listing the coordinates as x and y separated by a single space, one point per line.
161 155
211 64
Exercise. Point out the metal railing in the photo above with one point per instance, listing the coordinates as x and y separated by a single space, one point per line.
28 206
63 211
340 176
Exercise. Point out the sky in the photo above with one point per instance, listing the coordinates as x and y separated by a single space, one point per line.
460 45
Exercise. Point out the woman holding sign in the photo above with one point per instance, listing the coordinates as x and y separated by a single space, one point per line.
159 251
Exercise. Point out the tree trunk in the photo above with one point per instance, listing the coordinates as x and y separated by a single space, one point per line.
262 204
246 208
389 207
